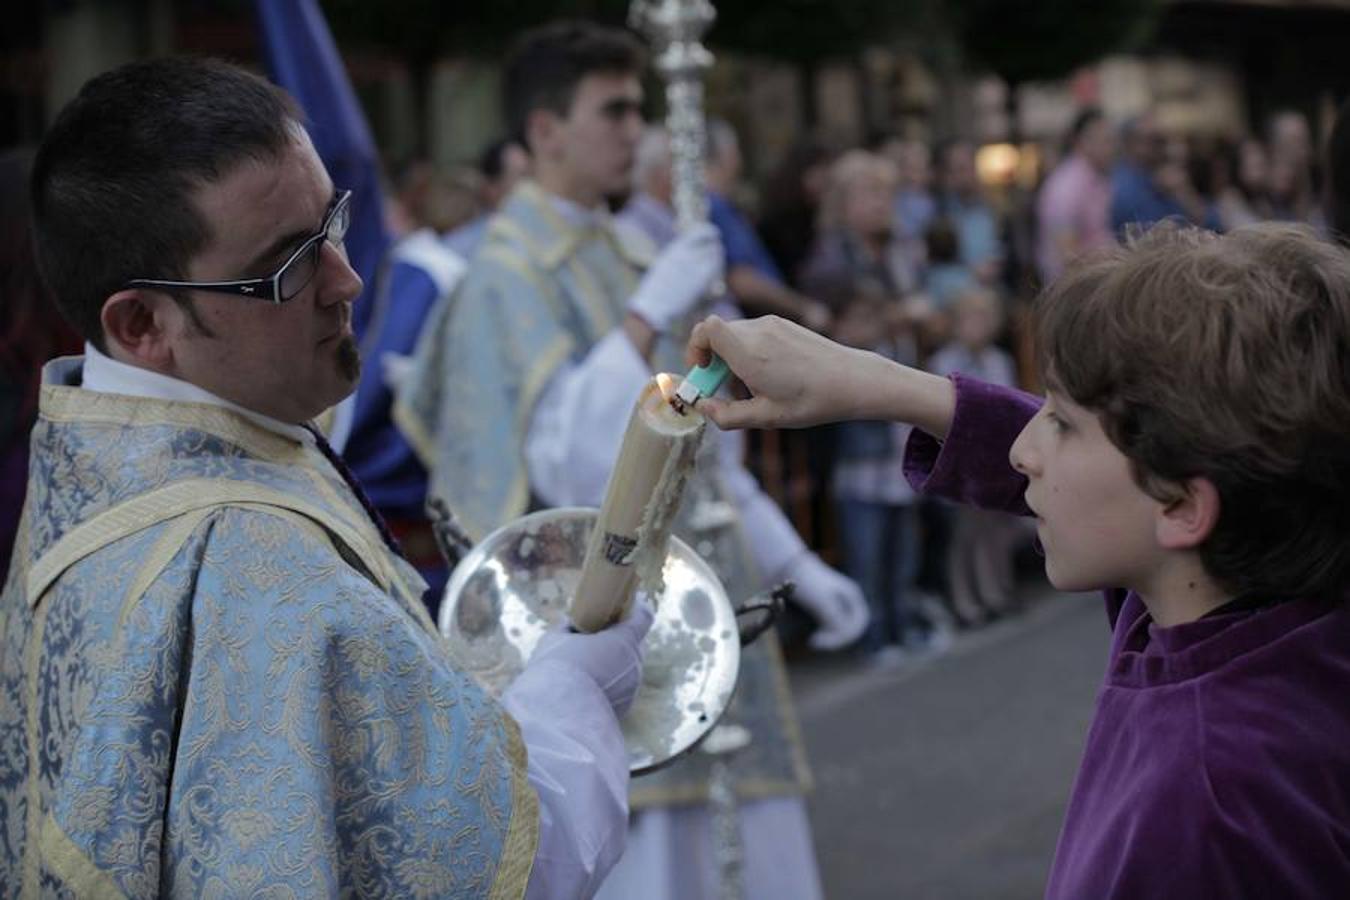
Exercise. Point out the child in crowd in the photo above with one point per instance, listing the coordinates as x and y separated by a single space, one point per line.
980 547
1190 459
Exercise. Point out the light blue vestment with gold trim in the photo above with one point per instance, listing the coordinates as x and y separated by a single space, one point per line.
216 681
540 292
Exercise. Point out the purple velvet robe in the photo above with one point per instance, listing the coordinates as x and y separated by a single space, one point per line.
1218 761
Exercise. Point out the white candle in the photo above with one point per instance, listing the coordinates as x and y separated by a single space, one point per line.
628 544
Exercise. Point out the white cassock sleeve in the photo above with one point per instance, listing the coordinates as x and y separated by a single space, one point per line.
577 427
578 766
576 430
773 541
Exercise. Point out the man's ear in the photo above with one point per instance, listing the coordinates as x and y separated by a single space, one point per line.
541 127
136 324
1187 522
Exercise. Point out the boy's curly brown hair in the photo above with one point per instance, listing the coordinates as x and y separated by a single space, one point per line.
1228 358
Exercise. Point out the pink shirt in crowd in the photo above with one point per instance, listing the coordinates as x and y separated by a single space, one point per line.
1076 199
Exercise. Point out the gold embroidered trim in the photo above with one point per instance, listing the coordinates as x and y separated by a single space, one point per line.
564 235
510 234
357 520
78 873
690 794
787 710
60 403
522 836
31 850
518 496
598 308
788 715
165 549
173 500
512 259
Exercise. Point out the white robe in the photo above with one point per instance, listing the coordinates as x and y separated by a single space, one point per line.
573 441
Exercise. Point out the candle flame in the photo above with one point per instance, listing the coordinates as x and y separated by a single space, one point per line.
667 384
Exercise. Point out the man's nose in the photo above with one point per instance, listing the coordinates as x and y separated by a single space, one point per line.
340 282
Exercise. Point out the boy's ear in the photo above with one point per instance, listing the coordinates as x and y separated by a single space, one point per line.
1187 522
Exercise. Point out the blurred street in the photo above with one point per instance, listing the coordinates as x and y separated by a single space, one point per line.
948 778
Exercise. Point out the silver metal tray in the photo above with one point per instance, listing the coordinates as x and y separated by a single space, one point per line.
519 581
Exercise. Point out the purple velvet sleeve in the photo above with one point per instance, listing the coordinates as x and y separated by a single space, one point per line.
971 465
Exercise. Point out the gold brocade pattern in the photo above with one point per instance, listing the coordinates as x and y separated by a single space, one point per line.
208 699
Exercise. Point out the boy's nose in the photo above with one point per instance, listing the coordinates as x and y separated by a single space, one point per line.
1022 455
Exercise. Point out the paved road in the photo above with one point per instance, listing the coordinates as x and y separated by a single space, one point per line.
948 779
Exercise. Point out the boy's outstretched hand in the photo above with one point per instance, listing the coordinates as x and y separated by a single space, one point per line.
798 378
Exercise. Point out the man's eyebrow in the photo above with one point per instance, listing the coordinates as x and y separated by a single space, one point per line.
286 242
622 104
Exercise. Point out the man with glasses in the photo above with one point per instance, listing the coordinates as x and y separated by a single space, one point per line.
217 677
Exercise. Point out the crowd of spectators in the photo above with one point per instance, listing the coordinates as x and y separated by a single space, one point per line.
902 247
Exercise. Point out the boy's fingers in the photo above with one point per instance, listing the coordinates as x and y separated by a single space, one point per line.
699 349
756 412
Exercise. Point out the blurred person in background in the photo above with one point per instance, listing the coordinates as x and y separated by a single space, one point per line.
1236 180
1291 181
1338 177
871 294
961 200
753 277
1291 195
945 274
32 331
795 466
427 197
1073 210
915 205
1152 181
981 543
501 164
790 205
1289 139
650 209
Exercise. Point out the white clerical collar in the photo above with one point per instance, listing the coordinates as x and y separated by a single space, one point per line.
575 214
106 375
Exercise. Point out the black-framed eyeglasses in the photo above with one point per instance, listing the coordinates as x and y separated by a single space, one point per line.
295 273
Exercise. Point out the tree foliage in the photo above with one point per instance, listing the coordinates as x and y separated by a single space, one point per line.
1021 40
1046 39
796 30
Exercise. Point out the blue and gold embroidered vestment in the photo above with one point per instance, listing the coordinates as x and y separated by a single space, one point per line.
215 681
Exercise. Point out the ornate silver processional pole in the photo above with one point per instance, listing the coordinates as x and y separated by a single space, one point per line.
675 29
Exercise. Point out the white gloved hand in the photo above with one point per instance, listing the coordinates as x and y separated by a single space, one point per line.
612 658
836 602
682 274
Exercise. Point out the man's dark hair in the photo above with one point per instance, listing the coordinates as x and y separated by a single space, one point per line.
114 179
492 161
547 63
